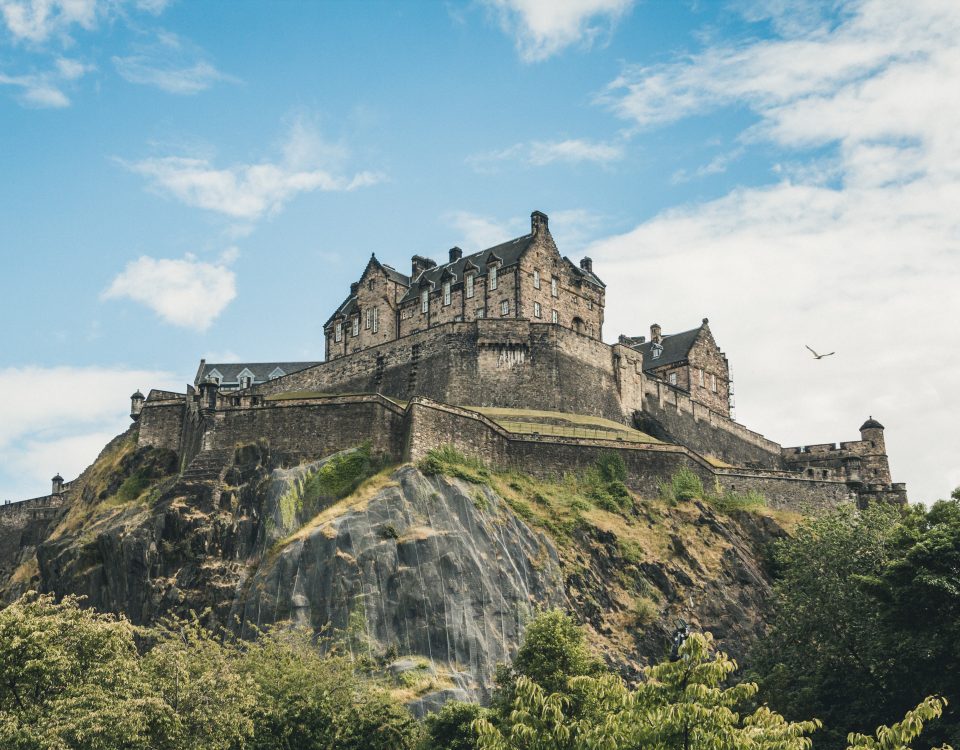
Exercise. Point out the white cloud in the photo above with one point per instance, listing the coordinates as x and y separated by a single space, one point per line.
250 191
542 28
37 20
867 264
172 64
542 153
45 90
186 292
61 418
480 232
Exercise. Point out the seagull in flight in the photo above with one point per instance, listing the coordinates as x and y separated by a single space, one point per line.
819 356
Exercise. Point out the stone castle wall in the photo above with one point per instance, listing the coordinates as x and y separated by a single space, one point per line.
487 362
671 414
22 525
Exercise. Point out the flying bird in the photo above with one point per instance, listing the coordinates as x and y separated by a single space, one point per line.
819 356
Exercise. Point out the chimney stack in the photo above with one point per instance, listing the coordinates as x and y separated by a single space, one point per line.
419 264
455 254
353 288
586 264
538 221
655 336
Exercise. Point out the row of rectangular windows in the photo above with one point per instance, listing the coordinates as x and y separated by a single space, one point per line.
672 379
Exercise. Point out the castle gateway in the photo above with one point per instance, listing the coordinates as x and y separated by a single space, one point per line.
500 353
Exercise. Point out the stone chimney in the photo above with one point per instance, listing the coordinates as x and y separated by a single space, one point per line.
455 254
354 287
136 405
538 221
586 264
655 336
57 485
419 264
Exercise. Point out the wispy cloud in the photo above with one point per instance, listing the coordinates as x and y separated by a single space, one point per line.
172 64
250 191
542 28
542 153
61 419
185 292
573 228
39 21
865 262
45 90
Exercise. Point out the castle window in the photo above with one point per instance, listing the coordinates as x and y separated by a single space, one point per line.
339 332
554 287
356 325
425 301
492 275
672 378
468 282
589 304
536 309
369 319
555 316
481 312
713 383
656 350
370 284
504 307
376 319
536 278
446 292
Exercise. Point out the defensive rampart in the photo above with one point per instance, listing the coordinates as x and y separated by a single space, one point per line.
488 362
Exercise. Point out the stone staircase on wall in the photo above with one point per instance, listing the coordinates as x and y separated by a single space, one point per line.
206 472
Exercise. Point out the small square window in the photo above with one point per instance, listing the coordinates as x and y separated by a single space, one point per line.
481 312
536 309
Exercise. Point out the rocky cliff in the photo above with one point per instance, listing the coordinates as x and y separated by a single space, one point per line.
427 572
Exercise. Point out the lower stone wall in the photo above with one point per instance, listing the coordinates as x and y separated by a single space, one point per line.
161 423
22 525
310 429
670 414
433 424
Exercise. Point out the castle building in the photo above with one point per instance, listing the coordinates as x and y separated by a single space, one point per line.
500 353
690 361
524 278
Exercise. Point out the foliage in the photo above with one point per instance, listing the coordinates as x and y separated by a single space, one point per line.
867 618
447 460
683 485
72 678
729 502
339 476
680 704
451 728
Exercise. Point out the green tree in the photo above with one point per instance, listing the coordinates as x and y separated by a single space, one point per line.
681 705
451 728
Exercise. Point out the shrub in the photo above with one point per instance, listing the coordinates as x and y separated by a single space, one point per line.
644 610
683 485
447 460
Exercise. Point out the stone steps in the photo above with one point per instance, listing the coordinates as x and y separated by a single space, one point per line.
207 466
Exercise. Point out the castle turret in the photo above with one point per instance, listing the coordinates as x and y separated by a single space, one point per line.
136 405
57 485
208 394
876 468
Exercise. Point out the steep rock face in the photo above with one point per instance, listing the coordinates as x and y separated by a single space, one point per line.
430 578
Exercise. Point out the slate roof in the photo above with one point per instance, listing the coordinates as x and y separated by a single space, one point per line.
676 348
261 370
508 252
871 424
588 275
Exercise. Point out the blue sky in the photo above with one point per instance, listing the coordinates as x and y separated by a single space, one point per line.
205 179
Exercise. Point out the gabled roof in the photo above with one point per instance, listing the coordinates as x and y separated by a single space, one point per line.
507 252
392 273
261 370
676 348
583 273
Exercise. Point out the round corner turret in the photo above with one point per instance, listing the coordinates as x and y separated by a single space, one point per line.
57 483
136 405
871 424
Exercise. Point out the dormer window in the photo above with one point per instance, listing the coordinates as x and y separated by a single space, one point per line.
446 293
468 284
245 378
656 350
425 301
492 275
215 377
277 373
